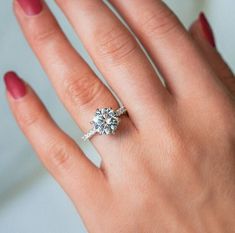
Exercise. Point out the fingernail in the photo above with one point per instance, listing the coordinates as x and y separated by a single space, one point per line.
31 7
15 86
206 28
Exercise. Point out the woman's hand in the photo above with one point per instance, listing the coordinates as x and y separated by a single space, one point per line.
171 165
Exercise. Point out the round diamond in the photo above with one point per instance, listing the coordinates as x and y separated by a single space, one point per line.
105 121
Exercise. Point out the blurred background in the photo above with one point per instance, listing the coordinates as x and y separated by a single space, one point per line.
30 200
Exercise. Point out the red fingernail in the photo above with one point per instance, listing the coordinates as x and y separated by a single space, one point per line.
209 35
15 86
31 7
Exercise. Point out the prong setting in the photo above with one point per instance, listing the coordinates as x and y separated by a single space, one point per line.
105 122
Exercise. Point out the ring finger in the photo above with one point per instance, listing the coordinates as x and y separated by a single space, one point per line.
118 56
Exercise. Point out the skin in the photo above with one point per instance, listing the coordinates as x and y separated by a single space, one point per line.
171 165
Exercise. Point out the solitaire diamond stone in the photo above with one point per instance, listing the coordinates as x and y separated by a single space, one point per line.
105 121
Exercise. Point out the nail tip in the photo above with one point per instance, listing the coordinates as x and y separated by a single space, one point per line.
202 14
207 29
8 75
31 7
14 85
10 72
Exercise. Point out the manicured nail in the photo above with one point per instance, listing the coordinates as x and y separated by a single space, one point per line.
15 86
31 7
206 28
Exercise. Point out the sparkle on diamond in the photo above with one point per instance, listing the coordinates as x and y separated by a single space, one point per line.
105 121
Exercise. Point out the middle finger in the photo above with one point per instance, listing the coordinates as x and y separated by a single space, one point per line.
117 55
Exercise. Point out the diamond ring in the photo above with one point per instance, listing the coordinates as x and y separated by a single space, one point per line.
105 122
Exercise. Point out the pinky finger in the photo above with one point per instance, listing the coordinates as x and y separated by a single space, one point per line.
203 35
59 153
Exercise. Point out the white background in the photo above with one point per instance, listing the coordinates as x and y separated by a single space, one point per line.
30 200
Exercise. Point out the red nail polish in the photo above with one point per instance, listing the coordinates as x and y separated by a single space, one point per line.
15 86
209 35
31 7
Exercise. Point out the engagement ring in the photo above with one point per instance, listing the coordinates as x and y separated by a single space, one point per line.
105 122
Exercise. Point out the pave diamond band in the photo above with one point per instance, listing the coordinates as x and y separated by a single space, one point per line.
105 122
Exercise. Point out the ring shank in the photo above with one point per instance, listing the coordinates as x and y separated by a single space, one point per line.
122 110
89 134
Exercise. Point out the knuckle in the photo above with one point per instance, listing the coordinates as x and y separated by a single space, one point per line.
30 117
83 90
45 34
159 24
58 156
116 44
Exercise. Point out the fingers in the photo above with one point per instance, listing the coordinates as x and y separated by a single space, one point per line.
76 84
169 45
117 55
78 87
202 33
59 153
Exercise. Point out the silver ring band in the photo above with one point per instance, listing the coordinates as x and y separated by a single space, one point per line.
105 122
